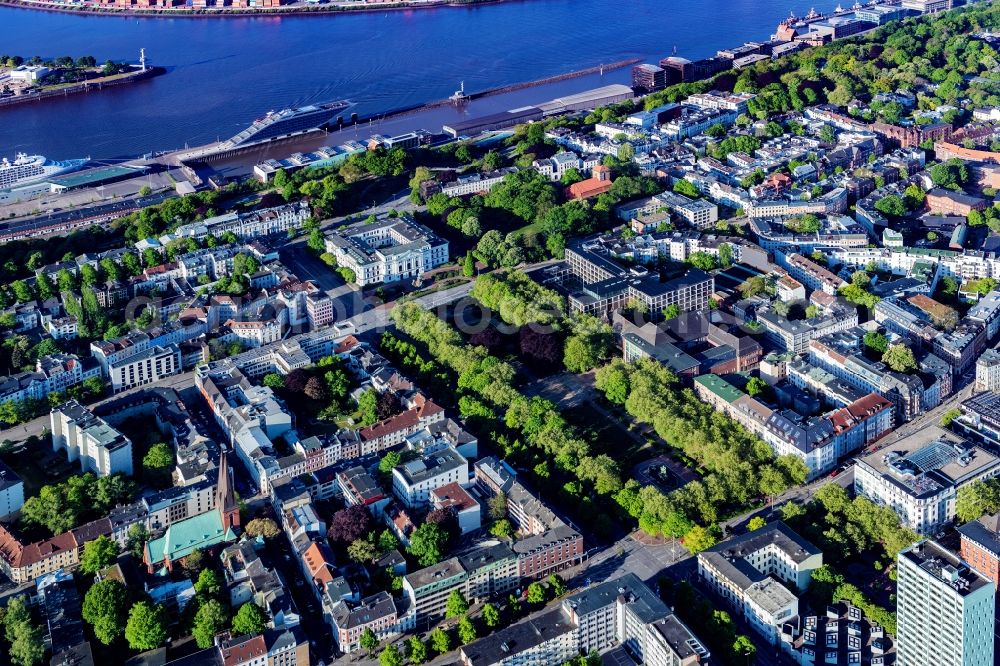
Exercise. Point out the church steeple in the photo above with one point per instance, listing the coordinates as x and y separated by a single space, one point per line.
225 499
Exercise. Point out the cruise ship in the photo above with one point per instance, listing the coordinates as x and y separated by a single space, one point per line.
287 122
28 169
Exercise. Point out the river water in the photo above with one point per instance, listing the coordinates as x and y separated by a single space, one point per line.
224 72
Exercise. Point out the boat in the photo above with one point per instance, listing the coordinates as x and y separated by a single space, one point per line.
28 169
287 122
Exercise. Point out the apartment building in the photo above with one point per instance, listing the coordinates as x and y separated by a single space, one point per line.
85 437
413 481
349 622
699 213
54 373
812 275
980 546
467 510
11 493
988 371
144 367
602 285
795 335
479 574
760 574
547 544
476 183
256 333
944 610
622 613
246 226
388 250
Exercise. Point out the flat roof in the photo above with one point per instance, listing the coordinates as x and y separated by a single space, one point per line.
945 566
929 460
95 176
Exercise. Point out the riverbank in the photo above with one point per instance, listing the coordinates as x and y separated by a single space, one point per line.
298 9
92 85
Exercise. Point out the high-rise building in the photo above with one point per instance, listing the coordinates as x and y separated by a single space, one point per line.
944 609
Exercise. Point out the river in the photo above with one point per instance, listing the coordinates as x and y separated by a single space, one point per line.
224 72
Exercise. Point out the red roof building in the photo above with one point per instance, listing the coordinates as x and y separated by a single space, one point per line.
594 186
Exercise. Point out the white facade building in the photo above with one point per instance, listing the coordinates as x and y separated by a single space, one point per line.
412 482
919 476
100 448
388 250
748 571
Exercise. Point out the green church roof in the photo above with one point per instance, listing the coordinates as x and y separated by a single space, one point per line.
186 536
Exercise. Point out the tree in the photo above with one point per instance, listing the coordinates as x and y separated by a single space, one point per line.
368 641
209 584
362 551
250 620
538 345
698 539
273 381
686 188
744 647
98 554
468 265
263 527
756 386
390 656
557 585
211 619
900 358
536 593
491 616
876 341
950 416
891 205
27 645
755 523
416 650
193 563
427 544
368 406
702 260
315 389
976 499
502 529
350 524
725 254
440 640
456 604
466 630
613 380
589 345
104 609
158 463
136 540
496 506
147 627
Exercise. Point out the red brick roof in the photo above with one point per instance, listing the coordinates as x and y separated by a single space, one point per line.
453 495
244 651
320 568
589 188
408 419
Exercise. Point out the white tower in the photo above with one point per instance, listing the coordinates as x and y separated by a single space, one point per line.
142 59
